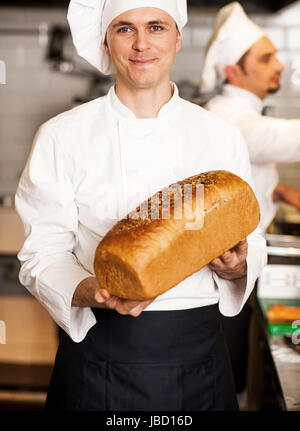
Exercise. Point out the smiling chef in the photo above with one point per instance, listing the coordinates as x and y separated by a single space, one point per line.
87 168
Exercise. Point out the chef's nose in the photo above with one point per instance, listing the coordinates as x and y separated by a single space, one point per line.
141 42
279 66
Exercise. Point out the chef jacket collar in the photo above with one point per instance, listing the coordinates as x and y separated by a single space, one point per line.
125 113
233 91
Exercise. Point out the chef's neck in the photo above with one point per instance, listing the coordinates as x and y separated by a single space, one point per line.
144 102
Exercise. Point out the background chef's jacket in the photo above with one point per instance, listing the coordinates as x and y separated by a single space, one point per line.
93 164
270 140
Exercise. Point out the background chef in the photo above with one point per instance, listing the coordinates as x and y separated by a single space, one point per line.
242 59
88 168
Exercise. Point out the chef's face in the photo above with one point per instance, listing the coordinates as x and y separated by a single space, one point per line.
143 43
262 70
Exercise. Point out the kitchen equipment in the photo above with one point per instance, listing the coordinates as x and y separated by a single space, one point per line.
287 220
287 228
61 54
279 282
280 278
9 277
62 57
279 328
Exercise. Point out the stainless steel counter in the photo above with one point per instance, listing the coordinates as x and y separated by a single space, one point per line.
280 283
287 364
283 357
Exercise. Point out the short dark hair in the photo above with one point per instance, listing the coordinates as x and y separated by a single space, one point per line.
240 63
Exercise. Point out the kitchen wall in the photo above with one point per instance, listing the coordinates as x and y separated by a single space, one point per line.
34 92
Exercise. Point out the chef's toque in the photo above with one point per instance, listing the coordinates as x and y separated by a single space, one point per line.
89 20
234 33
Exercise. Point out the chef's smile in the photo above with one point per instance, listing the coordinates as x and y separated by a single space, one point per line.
142 62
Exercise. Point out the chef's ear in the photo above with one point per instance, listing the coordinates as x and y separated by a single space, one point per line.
178 39
106 47
233 72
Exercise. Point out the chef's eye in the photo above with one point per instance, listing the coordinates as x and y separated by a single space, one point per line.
156 27
265 58
124 30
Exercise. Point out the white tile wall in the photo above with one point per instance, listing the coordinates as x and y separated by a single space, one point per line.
200 36
289 16
34 92
277 36
293 38
187 65
186 37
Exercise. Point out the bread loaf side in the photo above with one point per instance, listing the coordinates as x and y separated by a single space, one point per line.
174 234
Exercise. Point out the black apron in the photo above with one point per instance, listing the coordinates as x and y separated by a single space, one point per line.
161 360
237 332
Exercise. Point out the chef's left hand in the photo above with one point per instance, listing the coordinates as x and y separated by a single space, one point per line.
232 264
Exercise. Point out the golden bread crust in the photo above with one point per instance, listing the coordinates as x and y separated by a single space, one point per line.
144 257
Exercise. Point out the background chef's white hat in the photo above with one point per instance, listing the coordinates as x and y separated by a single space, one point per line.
89 20
234 33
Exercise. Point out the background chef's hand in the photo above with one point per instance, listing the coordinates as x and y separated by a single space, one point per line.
287 194
232 264
122 306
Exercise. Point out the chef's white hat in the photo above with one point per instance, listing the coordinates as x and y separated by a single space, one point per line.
89 20
234 33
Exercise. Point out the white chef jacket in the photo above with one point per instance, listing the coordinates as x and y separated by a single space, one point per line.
93 164
270 141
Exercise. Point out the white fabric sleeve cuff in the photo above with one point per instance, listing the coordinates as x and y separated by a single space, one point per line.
75 321
233 294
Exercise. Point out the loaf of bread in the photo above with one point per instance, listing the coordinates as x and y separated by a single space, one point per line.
168 239
280 313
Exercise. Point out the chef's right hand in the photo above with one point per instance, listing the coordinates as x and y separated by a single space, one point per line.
122 306
89 294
